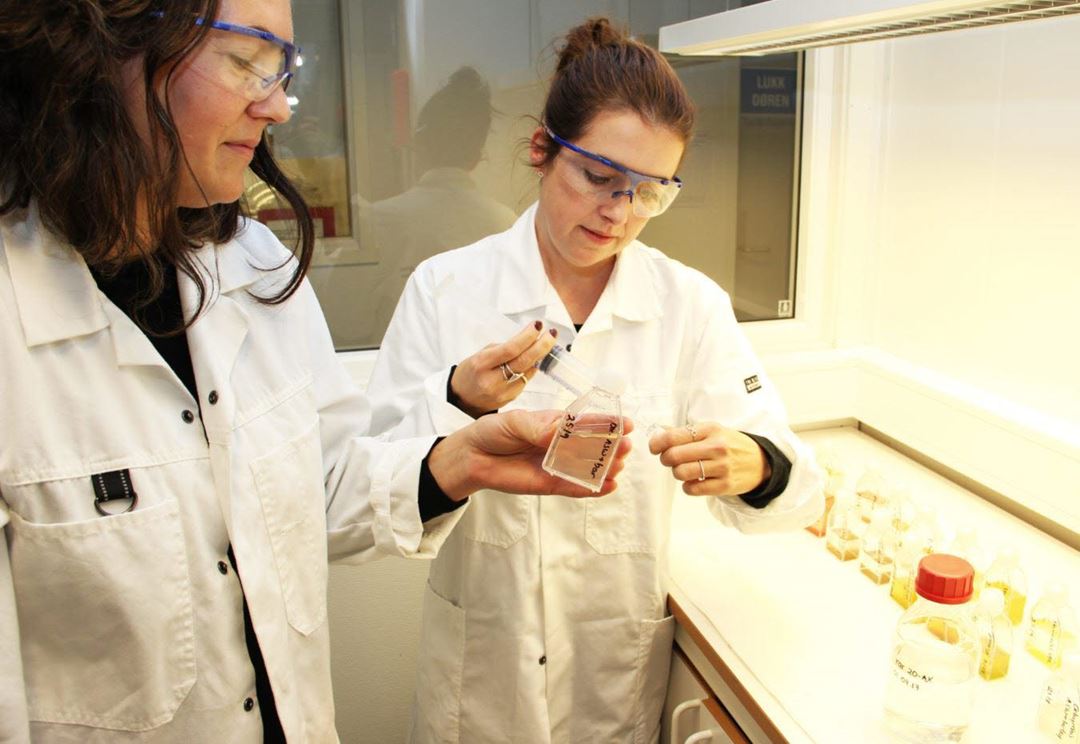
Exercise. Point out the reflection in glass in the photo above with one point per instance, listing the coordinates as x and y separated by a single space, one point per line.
444 209
311 148
413 150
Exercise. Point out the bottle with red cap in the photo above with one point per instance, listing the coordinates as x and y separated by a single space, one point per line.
935 661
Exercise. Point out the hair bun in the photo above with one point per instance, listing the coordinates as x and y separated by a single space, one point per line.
466 79
595 33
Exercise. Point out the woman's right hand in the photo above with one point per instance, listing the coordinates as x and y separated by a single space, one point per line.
495 375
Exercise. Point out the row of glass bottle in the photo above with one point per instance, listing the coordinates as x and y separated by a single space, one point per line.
931 690
888 534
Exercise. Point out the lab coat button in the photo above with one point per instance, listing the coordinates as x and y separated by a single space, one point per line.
223 567
213 397
248 704
543 660
188 416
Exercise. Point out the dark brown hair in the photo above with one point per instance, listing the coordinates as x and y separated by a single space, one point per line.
68 144
600 68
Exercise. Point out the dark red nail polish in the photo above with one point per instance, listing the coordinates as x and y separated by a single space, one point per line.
538 325
554 332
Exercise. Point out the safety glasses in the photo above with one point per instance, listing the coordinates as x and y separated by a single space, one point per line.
649 195
250 62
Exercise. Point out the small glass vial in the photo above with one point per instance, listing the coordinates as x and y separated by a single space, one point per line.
870 493
845 528
966 545
930 692
903 511
878 548
1058 713
818 527
834 483
995 635
1052 632
916 543
584 445
905 566
1005 574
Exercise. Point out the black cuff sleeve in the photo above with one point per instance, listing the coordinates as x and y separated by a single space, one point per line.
432 499
780 466
450 397
453 399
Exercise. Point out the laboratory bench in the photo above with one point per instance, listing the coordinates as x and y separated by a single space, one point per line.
779 641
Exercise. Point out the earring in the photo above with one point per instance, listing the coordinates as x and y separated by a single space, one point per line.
539 173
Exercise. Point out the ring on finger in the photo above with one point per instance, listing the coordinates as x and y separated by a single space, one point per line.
693 432
510 375
701 467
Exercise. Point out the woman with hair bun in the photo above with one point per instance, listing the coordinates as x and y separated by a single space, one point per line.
545 620
180 448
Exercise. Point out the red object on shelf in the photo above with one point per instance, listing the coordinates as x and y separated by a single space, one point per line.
399 97
325 215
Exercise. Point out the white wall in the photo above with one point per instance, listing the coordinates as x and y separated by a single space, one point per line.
941 214
374 614
979 267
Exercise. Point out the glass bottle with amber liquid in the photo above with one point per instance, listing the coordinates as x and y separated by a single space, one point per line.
878 547
835 477
1005 574
1052 631
845 528
995 634
919 541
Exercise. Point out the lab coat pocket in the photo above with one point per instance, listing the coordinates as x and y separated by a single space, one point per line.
289 481
654 666
437 710
105 617
496 518
633 519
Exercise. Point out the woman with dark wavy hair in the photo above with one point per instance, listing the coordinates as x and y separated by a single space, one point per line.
180 449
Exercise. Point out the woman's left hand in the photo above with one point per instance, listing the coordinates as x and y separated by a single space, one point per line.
504 452
710 459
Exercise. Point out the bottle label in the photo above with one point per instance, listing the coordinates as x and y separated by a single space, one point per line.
1070 720
567 429
605 451
910 677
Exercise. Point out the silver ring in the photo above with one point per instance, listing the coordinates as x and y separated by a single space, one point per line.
701 467
693 433
510 375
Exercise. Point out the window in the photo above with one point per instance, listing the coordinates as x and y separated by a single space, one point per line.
409 118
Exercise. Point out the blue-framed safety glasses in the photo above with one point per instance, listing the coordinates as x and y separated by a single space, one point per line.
255 62
251 62
649 195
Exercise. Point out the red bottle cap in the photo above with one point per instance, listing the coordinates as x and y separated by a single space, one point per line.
946 579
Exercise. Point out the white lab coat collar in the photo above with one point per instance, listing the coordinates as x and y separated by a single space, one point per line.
56 296
523 284
447 178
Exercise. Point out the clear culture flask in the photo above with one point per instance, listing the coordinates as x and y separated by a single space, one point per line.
584 445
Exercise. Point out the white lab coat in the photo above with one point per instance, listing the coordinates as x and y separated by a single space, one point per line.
129 628
544 617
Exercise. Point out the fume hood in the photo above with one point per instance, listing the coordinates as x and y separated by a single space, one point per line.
788 25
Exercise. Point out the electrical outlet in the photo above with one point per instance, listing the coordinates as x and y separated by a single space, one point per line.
783 309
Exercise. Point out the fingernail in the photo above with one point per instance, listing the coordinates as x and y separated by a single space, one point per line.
554 332
538 325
